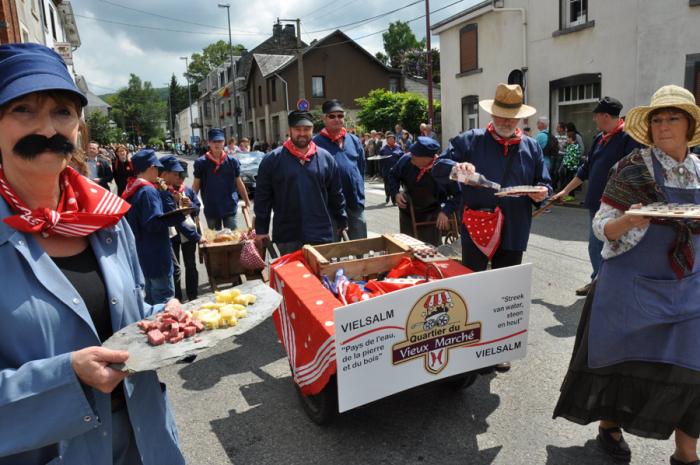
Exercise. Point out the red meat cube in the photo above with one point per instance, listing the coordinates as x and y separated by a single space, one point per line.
176 339
155 337
190 331
198 325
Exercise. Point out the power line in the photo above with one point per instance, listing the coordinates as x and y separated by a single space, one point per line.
174 19
152 28
319 10
368 19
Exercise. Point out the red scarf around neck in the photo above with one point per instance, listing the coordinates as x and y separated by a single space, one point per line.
425 169
83 208
217 163
324 132
180 189
618 128
294 150
133 185
506 143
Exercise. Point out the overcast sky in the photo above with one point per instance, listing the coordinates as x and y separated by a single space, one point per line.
113 47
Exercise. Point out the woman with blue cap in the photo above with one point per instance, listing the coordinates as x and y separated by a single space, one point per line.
74 280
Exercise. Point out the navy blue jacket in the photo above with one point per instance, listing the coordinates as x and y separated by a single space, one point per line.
151 232
444 197
351 167
600 160
188 231
479 148
303 197
388 163
219 193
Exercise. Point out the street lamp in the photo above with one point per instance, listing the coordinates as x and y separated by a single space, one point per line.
233 69
189 97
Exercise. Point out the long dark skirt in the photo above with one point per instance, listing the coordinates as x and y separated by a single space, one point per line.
646 399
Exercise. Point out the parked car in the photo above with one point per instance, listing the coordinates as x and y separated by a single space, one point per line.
250 161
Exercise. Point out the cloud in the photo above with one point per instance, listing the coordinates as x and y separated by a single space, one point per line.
110 52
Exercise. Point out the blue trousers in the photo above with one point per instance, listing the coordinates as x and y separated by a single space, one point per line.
217 224
595 247
159 290
357 225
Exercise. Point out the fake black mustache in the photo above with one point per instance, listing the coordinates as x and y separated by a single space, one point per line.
32 145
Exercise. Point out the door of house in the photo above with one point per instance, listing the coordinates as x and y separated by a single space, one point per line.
574 104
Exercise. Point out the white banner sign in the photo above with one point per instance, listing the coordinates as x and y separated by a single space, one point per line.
431 331
65 49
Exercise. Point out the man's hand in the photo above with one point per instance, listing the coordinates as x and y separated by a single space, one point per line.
466 168
559 196
260 240
185 201
90 366
443 222
539 196
401 200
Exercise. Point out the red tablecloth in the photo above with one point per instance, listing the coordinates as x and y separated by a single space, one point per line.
304 320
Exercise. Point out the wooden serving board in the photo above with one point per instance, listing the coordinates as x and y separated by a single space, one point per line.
667 210
516 191
143 356
379 157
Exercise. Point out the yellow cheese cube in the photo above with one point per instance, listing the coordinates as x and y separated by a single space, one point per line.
242 313
211 320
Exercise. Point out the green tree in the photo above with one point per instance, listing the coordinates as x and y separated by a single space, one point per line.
415 63
382 57
178 97
398 40
382 110
139 110
212 56
102 130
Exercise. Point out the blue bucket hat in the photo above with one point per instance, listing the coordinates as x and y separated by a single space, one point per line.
144 159
216 135
27 68
171 163
425 147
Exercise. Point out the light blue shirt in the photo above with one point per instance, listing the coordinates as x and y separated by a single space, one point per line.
542 138
46 414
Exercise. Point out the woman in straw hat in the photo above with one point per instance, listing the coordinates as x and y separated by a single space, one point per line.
636 359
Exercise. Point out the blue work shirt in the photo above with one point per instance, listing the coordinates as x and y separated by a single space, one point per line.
186 228
219 191
46 414
350 161
426 194
600 160
151 231
479 148
386 164
542 138
303 197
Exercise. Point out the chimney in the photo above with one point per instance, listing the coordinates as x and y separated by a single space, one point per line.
277 30
290 31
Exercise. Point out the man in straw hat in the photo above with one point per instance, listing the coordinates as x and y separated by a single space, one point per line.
497 229
636 360
609 146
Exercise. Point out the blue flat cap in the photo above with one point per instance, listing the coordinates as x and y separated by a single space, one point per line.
171 163
425 147
27 68
144 159
216 135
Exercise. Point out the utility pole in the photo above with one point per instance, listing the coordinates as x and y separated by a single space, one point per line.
233 70
300 55
170 114
429 58
189 96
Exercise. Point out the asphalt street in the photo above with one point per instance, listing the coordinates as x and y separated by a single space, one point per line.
236 404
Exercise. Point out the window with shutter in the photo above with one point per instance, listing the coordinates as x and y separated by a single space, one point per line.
468 48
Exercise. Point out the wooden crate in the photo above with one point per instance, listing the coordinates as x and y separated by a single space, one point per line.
318 256
223 263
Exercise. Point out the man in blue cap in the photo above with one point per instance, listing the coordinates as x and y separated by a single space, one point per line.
188 236
218 176
392 153
430 201
349 156
150 199
301 183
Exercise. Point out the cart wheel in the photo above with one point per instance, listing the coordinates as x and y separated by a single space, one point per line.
322 407
462 381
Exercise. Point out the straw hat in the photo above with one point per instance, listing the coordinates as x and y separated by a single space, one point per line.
508 103
637 120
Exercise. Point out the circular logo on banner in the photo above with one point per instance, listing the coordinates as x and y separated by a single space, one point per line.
303 105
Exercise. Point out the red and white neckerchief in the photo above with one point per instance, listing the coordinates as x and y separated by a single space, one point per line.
335 139
426 168
484 228
618 128
294 150
506 143
217 163
83 208
133 185
180 189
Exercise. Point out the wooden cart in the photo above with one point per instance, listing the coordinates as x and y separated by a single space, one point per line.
223 261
